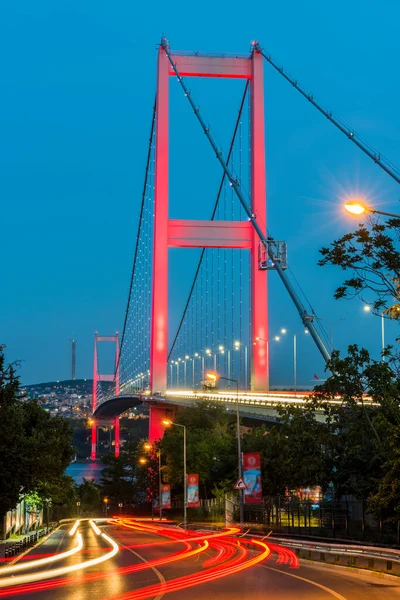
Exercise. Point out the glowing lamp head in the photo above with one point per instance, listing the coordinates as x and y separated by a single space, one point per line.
367 308
166 422
142 461
277 338
355 208
148 446
105 500
283 331
212 376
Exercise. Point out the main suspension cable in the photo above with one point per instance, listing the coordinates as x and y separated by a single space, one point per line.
369 150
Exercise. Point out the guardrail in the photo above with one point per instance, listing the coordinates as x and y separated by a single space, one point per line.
14 548
384 560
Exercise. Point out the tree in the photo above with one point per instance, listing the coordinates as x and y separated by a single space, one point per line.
35 448
211 447
116 482
371 256
360 405
88 493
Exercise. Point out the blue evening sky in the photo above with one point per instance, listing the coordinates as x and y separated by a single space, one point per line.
78 82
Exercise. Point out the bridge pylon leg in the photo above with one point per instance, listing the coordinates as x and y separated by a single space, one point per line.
117 440
94 441
156 426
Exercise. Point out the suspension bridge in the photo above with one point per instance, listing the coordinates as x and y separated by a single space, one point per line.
224 325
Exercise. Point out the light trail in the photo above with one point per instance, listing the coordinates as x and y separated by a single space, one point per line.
30 578
74 528
187 581
42 561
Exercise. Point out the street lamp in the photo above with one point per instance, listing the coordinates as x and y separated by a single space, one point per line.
120 507
77 508
105 500
294 357
237 345
168 423
215 377
142 460
367 308
356 208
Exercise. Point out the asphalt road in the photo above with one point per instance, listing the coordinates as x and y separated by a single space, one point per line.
151 562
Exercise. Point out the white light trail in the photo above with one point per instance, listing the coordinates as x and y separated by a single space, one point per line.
43 561
12 581
74 528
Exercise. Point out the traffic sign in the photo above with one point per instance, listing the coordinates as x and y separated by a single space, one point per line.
240 484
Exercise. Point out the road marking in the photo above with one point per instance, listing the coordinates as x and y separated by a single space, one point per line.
156 571
319 585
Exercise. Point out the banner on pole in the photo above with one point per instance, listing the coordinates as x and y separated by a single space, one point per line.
251 464
193 491
166 495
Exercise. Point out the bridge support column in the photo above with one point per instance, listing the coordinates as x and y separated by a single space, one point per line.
116 437
156 426
259 293
159 310
94 440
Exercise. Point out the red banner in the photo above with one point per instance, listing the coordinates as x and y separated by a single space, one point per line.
193 500
251 464
166 495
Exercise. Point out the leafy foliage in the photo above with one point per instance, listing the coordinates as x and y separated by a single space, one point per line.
371 257
35 448
211 448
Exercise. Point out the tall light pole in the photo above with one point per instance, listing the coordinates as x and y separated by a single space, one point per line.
168 423
215 377
284 331
367 308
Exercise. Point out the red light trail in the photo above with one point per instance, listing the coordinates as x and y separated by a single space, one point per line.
229 555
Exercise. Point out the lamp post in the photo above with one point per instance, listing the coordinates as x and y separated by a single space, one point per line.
120 507
357 208
215 377
367 308
237 346
168 423
105 500
77 508
284 331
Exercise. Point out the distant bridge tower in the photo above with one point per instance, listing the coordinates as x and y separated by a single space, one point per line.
98 377
73 360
